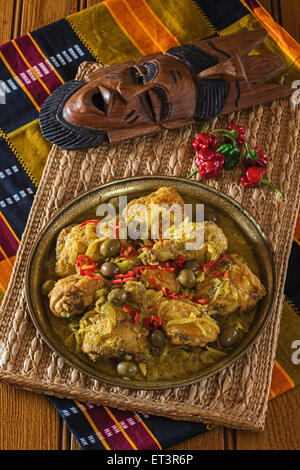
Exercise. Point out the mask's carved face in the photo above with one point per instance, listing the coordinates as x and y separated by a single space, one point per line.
134 99
188 84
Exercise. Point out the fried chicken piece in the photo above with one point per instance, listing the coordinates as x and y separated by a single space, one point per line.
72 242
153 211
213 246
187 323
242 290
161 279
164 195
113 334
72 295
135 292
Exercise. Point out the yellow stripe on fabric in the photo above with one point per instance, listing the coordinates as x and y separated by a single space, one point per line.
1 295
29 66
120 427
17 155
2 290
89 419
102 35
44 57
19 82
148 430
29 142
284 40
184 20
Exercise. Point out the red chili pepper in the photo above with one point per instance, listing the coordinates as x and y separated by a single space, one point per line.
153 322
89 222
205 140
126 254
209 163
253 177
239 133
255 157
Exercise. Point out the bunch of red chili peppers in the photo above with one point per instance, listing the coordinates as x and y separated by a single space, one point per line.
212 157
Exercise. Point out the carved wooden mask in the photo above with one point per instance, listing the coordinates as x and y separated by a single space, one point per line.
189 83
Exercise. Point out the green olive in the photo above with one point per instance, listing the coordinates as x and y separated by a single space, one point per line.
47 286
192 265
157 339
109 269
127 369
229 336
110 247
117 297
187 278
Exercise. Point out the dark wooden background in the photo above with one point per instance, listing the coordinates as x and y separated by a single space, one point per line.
28 420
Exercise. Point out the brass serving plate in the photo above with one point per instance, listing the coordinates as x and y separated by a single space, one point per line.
137 186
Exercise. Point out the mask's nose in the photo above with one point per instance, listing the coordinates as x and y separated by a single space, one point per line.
129 91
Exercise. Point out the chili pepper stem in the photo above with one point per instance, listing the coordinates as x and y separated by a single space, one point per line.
192 174
266 183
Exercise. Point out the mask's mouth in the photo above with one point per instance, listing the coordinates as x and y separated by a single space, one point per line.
98 101
61 132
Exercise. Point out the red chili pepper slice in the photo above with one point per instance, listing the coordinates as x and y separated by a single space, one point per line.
89 222
177 264
116 229
127 254
218 273
153 322
87 267
122 281
132 310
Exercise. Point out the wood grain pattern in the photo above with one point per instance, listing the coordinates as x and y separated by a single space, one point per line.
27 420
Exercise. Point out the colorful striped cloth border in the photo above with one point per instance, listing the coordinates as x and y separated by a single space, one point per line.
31 68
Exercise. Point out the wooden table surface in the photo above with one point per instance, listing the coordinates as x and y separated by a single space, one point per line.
28 420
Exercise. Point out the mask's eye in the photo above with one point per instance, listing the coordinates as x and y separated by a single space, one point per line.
151 71
137 76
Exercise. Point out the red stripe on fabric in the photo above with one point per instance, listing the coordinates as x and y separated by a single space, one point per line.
7 240
252 4
107 427
135 430
37 61
21 70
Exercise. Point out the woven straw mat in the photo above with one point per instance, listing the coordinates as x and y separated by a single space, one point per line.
237 396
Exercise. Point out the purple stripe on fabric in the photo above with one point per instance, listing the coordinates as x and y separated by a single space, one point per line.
22 71
7 241
37 61
107 427
132 425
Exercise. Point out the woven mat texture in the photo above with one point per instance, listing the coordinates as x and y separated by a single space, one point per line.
237 396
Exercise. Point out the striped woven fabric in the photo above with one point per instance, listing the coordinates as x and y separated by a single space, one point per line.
31 68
